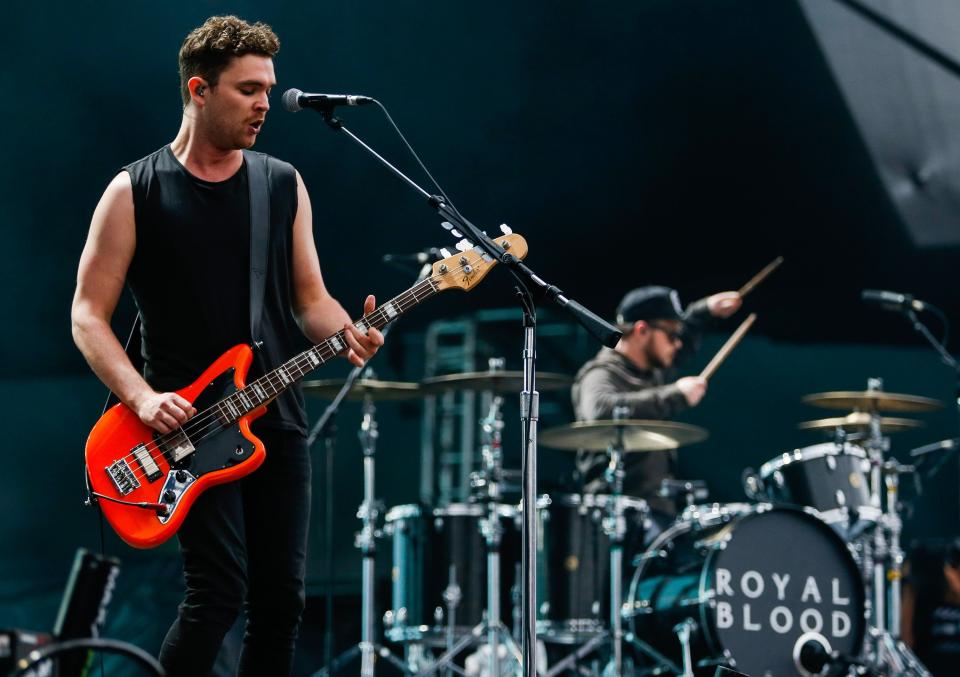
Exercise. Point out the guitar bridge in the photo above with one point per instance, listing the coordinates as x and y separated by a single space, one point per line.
123 477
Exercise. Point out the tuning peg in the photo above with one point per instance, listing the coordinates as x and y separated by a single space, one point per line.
505 229
447 225
464 245
445 253
456 233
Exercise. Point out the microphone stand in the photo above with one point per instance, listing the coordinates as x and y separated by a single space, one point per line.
602 330
326 426
947 359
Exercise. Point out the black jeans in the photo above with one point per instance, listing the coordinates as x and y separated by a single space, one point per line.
244 545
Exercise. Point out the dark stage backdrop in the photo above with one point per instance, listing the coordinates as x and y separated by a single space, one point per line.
683 142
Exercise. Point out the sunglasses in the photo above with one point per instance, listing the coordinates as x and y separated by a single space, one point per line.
674 335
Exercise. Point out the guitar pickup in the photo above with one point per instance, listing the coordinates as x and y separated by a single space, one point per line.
147 462
123 477
176 445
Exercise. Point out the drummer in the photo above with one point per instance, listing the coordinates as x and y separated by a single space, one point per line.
638 377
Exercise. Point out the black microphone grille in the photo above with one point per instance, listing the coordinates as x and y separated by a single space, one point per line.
291 100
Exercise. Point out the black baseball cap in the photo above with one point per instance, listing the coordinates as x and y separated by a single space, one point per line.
649 303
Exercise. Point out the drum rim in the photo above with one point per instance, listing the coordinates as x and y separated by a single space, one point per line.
809 453
563 499
403 511
705 595
462 509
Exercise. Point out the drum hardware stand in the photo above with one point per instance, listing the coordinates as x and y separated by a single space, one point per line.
884 558
326 425
365 541
492 626
615 527
683 629
692 491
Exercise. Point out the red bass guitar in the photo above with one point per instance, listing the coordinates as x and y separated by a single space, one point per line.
146 481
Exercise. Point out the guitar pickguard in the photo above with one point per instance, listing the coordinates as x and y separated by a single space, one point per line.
214 448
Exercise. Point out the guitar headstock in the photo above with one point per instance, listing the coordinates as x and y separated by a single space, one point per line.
465 269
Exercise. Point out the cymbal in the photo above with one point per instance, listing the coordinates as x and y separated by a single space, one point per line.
501 382
859 421
871 400
375 388
638 435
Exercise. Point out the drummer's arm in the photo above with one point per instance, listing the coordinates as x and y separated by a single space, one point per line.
600 394
701 314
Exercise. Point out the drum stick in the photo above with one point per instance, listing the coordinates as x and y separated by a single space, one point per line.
728 347
760 277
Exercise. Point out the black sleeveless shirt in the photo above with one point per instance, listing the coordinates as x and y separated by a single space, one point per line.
190 274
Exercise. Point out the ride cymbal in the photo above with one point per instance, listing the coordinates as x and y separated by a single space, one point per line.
500 382
375 388
638 435
871 400
859 421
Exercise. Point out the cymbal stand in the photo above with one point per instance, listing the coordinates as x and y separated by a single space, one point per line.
885 652
366 542
615 528
492 625
875 549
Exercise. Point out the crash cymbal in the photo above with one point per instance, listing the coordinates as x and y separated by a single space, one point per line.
501 382
859 421
871 400
375 388
638 435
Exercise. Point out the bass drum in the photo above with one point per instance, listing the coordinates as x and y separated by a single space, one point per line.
756 583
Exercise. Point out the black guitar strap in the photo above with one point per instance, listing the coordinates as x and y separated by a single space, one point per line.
259 237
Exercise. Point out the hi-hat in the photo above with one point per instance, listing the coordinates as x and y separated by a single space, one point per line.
501 382
638 435
871 400
859 421
375 388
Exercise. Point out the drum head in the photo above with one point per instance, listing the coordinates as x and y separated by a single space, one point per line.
780 574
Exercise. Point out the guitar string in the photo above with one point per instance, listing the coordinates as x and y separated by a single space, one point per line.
213 414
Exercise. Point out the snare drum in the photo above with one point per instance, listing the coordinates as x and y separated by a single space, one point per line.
439 557
573 562
755 582
831 478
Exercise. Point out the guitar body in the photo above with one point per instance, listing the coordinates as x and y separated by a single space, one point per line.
129 461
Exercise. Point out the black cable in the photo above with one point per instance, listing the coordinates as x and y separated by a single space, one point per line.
101 646
91 499
416 157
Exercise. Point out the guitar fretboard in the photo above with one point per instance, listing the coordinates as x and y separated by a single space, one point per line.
262 390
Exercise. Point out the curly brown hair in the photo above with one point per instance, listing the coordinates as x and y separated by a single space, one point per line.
208 49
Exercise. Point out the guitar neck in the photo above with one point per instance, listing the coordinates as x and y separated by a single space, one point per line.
262 390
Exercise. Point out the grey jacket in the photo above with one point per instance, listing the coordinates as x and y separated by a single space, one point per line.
610 380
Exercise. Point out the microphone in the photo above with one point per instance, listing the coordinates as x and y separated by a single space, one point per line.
429 254
891 300
295 100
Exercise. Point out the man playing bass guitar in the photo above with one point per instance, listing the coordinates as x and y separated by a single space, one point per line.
176 227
